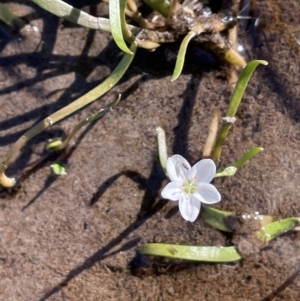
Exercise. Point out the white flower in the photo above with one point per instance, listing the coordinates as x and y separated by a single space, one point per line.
190 185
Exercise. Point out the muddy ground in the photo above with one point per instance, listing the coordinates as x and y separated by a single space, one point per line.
76 237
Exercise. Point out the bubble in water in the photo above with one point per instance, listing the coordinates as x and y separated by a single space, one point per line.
50 121
35 29
228 119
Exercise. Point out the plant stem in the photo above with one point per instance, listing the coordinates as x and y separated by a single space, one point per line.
212 134
59 145
162 149
68 12
76 105
63 10
161 6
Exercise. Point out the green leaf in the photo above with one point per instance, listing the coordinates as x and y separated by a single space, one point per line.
216 218
116 13
161 6
8 17
194 253
234 104
251 153
59 145
227 172
76 105
97 92
231 170
277 228
58 169
63 10
241 86
53 145
68 12
182 51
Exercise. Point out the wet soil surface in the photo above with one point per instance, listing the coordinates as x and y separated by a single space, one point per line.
76 237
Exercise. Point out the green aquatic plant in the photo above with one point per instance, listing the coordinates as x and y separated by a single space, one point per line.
266 228
76 105
219 254
8 17
180 22
178 170
193 253
59 144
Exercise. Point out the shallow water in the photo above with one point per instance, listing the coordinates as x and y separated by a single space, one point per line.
75 237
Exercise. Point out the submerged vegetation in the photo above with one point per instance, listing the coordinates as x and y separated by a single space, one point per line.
170 22
214 30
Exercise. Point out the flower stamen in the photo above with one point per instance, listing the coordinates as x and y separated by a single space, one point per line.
189 187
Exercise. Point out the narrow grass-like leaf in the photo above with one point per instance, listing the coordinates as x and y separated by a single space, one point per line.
251 153
76 105
59 145
125 27
8 17
63 10
161 6
234 104
216 218
53 144
182 52
162 149
277 228
116 11
241 86
193 253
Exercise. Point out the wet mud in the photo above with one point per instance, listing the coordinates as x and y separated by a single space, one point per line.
76 237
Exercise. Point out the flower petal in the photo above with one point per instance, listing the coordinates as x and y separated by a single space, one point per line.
207 194
189 207
172 191
175 167
206 170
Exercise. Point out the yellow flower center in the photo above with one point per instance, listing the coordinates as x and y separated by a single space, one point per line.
189 186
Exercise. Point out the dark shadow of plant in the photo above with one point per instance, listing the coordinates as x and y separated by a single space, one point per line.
150 204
